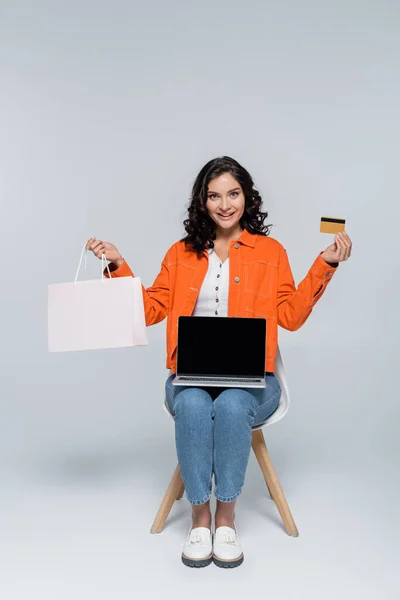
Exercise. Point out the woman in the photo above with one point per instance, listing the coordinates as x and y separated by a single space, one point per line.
226 265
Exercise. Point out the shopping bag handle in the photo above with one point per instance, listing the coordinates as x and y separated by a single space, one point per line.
103 257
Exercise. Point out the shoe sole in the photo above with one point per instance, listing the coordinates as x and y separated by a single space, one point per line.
202 562
228 564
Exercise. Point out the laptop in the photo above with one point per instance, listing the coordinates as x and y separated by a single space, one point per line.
221 352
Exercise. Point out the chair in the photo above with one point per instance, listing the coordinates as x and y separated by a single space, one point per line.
176 487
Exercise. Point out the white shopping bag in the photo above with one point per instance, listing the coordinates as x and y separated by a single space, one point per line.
95 314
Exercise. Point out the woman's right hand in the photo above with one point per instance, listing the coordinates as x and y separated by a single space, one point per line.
99 247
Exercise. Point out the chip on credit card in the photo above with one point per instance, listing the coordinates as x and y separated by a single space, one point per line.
331 225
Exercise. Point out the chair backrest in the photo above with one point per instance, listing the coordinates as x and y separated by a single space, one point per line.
284 402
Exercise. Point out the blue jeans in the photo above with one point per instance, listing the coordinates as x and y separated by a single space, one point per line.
213 429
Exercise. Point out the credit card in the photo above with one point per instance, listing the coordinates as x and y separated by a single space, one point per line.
330 225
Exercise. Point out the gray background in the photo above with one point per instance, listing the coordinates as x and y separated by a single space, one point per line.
107 112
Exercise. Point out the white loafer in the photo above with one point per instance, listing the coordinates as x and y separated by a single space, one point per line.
197 550
227 550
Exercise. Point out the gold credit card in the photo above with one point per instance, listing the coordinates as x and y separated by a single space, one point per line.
330 225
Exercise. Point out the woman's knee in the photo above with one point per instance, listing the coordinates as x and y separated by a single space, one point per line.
235 402
193 402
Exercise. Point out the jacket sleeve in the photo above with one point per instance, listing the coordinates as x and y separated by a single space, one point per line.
156 297
295 305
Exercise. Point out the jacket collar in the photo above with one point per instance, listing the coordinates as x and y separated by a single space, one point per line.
248 239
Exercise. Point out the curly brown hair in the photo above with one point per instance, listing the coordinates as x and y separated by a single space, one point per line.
200 227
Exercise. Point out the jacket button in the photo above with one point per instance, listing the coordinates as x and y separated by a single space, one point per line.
237 279
236 246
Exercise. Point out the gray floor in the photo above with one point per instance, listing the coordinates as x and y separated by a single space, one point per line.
78 527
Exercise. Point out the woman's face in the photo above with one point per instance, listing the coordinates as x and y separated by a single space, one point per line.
225 202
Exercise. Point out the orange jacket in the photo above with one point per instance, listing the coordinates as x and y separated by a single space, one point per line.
261 284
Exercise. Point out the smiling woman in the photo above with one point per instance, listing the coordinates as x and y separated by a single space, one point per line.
227 265
224 202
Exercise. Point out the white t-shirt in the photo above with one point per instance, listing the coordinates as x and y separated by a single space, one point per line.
212 300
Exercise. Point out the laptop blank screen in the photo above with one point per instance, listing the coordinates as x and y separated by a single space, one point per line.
225 346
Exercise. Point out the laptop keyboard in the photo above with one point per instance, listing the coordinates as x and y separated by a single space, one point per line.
223 379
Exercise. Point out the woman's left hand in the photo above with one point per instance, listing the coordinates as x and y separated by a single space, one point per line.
339 251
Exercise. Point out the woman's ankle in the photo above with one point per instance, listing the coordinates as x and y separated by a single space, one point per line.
201 515
225 514
224 522
201 522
